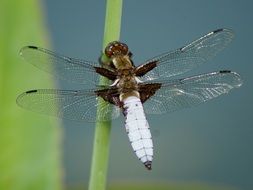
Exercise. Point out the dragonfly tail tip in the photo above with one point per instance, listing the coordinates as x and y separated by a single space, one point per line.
148 165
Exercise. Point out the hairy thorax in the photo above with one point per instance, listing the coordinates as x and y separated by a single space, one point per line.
127 84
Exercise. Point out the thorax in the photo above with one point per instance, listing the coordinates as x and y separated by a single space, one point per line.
127 83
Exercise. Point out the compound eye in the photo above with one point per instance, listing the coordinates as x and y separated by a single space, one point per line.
124 49
116 48
108 52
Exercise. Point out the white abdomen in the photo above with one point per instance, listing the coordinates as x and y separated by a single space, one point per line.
138 130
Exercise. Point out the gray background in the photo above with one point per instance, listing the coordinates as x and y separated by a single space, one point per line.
211 143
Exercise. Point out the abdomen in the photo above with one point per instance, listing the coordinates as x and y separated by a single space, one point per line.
138 131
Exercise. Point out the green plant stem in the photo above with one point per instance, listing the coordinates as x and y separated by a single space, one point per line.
101 145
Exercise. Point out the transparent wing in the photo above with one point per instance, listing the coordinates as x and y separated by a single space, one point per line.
190 56
74 105
71 69
183 93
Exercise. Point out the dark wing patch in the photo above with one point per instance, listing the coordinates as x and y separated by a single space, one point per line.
148 90
143 69
110 95
106 73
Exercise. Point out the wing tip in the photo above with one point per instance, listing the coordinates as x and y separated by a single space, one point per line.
26 47
21 96
236 77
222 30
228 33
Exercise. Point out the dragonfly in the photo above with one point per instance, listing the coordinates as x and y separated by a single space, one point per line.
134 91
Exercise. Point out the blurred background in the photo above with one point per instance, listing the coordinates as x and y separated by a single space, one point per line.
205 147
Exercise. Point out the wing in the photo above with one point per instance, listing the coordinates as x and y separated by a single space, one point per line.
77 105
187 92
190 56
75 70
